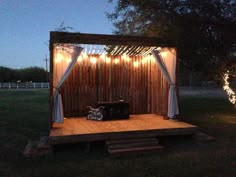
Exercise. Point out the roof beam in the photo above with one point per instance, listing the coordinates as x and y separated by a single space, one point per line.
104 39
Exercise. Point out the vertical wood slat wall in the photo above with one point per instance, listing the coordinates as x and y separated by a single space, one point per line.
143 87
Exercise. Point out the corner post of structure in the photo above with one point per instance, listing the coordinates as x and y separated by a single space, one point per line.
177 79
51 80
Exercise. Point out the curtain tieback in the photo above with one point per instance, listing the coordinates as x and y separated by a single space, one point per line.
57 89
172 85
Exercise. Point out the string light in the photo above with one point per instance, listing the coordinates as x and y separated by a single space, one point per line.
68 60
144 60
93 60
85 56
79 59
163 54
125 58
103 57
59 58
116 61
108 60
136 64
228 90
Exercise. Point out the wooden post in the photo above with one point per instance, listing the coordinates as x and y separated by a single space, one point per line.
51 82
177 81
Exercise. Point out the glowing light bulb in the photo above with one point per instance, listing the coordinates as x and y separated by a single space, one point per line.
85 56
93 60
136 64
152 59
125 58
59 58
108 60
144 60
79 59
103 56
163 54
68 60
116 61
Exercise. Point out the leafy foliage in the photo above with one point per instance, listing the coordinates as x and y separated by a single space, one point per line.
202 30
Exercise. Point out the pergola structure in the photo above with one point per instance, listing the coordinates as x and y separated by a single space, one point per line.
89 68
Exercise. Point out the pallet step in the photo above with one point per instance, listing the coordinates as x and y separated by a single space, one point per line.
135 151
133 145
133 140
124 147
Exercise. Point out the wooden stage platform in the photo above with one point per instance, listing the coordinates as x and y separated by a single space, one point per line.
137 126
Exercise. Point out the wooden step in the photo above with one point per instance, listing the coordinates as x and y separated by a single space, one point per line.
129 140
133 145
124 147
135 150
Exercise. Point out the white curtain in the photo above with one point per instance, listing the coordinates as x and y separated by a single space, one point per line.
58 115
168 67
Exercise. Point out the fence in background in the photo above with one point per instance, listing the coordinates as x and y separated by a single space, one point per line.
24 85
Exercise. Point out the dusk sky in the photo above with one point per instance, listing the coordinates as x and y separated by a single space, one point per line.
25 26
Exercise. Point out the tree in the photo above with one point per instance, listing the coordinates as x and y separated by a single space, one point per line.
202 30
7 74
35 74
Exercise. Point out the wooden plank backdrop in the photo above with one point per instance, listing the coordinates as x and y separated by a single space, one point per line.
143 85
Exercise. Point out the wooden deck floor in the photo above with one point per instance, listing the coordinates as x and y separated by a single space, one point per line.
144 125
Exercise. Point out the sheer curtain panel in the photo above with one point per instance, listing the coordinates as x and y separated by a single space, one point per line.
167 65
63 65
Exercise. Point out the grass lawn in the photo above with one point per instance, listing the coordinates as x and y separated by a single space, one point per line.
24 116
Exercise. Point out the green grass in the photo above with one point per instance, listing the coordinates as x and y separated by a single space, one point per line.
24 116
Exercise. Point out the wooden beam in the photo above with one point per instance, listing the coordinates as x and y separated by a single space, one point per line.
51 86
104 39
